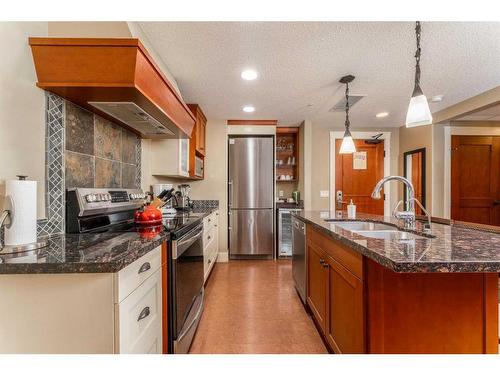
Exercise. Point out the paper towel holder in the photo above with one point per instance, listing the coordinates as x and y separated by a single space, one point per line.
6 219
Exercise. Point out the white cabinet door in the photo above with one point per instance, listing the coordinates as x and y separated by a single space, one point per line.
139 318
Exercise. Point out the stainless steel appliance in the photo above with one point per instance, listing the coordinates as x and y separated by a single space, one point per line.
251 196
112 211
299 259
285 231
187 294
198 166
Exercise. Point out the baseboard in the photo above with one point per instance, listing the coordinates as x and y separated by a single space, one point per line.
223 257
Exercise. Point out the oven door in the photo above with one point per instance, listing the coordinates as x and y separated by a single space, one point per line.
187 272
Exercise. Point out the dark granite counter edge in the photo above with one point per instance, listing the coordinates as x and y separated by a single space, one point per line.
78 268
407 267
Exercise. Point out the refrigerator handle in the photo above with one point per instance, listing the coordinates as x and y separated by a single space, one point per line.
230 193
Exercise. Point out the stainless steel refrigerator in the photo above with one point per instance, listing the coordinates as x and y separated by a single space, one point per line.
251 196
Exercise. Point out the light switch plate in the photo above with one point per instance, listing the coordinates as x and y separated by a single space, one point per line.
324 214
324 193
281 193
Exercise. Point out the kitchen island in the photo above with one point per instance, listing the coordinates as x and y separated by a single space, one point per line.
394 291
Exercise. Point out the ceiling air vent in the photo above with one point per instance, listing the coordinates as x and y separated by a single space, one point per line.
134 116
340 106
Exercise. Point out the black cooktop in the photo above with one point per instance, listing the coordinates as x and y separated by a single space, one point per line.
176 224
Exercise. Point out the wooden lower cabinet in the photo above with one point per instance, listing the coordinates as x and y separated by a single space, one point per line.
335 297
317 285
345 320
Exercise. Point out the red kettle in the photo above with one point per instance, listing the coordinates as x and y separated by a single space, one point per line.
148 215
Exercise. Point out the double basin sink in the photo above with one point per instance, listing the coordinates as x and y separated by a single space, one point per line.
375 230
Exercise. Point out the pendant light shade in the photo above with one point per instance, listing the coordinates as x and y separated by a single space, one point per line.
418 110
347 146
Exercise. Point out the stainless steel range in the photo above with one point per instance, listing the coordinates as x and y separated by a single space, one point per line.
112 210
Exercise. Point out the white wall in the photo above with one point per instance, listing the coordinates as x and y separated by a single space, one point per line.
22 109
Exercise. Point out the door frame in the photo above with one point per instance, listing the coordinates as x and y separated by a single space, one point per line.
386 137
450 130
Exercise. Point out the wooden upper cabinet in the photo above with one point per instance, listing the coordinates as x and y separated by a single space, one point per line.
115 78
200 126
197 144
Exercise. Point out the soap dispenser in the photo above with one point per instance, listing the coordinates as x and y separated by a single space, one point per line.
351 210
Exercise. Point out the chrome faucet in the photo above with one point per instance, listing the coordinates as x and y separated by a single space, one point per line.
407 216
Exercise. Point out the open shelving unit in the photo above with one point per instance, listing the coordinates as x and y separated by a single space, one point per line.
287 154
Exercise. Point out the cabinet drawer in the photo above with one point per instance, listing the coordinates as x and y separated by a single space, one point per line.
134 274
208 237
211 220
140 318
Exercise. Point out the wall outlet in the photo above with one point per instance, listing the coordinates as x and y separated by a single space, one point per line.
281 193
324 193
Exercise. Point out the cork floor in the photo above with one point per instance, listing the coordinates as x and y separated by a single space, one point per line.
252 307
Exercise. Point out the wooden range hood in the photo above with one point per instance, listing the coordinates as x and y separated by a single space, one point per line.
115 78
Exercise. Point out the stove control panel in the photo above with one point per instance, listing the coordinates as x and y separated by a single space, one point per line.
97 200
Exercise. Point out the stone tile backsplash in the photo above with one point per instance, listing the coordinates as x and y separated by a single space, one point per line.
83 150
99 153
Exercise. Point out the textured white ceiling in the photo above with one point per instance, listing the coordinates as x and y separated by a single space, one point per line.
300 63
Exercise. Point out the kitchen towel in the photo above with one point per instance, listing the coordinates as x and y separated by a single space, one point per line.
23 228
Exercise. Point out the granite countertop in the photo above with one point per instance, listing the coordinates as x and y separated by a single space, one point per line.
451 249
89 252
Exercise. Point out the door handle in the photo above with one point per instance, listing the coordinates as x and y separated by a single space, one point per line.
230 193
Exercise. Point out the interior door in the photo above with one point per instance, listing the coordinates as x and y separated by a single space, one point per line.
475 187
357 181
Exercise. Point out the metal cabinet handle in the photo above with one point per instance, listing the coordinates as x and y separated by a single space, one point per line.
321 261
144 313
145 267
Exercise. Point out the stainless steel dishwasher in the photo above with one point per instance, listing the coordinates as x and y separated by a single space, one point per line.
299 259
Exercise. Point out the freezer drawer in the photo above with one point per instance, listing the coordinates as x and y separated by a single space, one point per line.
251 232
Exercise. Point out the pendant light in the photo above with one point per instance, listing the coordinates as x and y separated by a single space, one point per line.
418 111
347 146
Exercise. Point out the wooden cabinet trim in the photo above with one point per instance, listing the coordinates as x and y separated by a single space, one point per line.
252 122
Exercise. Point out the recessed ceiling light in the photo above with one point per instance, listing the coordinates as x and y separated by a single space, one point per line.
437 98
249 74
248 108
382 114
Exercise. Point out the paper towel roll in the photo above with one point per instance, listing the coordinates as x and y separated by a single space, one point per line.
23 228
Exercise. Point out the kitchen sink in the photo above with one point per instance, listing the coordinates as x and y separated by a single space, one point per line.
361 225
388 234
375 230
